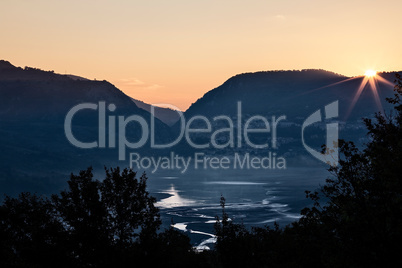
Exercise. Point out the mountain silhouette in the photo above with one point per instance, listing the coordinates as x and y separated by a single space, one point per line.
36 155
166 115
294 94
290 93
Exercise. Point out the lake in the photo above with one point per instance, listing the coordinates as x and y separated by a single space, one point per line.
253 197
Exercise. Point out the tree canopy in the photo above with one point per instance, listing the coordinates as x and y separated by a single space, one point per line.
356 216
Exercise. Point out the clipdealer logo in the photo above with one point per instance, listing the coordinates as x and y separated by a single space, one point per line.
112 134
331 154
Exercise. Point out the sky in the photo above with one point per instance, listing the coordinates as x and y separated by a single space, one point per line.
174 51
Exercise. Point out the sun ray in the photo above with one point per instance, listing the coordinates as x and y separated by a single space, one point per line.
370 78
330 85
385 81
373 86
357 95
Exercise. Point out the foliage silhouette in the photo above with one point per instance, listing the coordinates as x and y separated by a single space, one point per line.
91 224
356 217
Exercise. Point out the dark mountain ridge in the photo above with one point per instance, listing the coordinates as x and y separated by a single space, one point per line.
295 95
33 108
166 115
263 92
36 154
263 84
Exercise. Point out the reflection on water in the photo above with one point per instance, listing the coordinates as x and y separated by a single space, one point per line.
235 183
203 245
191 201
175 200
180 226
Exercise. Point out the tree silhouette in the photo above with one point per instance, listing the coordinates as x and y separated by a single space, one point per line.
85 218
130 209
90 224
363 215
355 219
30 234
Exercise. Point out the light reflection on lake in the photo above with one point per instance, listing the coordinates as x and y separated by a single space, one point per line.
255 198
174 200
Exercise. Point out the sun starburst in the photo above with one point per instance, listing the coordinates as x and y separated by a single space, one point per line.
370 73
371 78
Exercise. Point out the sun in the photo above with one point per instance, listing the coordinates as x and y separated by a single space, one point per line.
370 73
371 79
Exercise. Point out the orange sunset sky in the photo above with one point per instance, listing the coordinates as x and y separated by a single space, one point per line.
174 51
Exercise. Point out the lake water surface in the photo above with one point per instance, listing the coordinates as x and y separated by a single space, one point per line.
253 197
